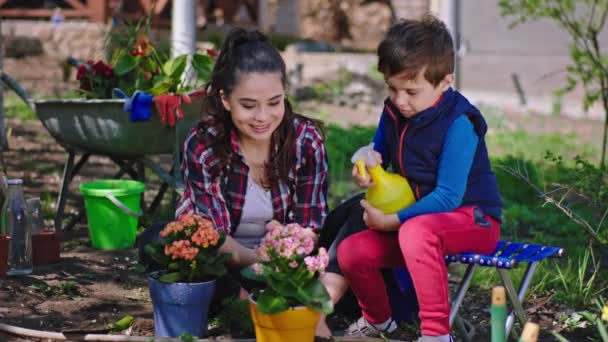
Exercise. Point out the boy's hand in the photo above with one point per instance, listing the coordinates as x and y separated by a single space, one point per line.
365 180
375 219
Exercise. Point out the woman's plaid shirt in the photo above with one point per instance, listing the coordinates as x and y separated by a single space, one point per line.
303 200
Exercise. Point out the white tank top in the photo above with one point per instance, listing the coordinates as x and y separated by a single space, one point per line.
257 211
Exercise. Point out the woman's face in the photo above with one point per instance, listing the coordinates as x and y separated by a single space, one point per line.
256 104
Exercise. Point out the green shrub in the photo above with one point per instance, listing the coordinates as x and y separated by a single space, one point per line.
341 143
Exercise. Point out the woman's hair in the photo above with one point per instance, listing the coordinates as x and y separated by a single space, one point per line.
246 51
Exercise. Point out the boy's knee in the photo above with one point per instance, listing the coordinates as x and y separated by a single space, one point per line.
414 236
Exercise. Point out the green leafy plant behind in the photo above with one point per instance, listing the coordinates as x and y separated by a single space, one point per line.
189 253
289 270
235 318
138 64
143 68
599 320
584 21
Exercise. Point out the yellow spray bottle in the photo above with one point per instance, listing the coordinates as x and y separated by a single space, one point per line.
391 192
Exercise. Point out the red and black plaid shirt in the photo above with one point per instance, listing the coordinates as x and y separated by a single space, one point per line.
302 200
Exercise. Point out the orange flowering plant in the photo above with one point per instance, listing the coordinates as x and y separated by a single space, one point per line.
189 251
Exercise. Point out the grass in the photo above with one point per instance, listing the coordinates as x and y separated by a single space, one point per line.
15 108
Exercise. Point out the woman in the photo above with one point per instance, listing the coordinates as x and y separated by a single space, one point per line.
252 159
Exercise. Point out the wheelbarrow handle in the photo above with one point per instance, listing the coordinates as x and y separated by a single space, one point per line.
11 83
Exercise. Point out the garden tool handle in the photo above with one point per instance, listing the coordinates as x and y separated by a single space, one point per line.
122 207
11 83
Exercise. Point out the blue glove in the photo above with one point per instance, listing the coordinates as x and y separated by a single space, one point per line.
139 104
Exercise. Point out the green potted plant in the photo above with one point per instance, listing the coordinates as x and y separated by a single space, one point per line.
290 305
162 94
190 263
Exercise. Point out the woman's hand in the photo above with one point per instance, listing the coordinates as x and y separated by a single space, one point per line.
241 256
375 219
365 181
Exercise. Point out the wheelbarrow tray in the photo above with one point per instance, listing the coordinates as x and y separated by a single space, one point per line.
103 127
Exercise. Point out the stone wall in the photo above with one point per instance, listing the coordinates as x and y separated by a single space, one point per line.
35 52
359 24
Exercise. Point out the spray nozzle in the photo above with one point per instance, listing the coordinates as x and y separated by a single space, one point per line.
360 156
370 159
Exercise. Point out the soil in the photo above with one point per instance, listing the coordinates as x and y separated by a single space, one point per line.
108 285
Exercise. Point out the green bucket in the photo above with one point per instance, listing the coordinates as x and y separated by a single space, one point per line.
113 208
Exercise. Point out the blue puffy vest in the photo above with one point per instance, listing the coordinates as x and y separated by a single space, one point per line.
414 146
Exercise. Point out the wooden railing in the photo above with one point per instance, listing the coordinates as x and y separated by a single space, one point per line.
101 10
93 10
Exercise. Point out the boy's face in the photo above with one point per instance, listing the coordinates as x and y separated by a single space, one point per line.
412 96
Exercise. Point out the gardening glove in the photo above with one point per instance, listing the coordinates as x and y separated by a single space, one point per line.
169 106
138 104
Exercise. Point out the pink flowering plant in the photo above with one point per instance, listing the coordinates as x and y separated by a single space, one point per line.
189 252
290 270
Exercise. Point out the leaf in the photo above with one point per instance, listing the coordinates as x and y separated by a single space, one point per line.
162 87
126 62
248 273
284 286
156 252
559 337
602 330
174 68
170 277
314 295
122 324
186 337
203 66
138 268
269 302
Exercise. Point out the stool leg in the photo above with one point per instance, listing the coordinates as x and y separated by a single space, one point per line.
518 309
523 289
467 334
462 290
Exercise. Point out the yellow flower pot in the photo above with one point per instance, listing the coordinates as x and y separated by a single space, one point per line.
294 325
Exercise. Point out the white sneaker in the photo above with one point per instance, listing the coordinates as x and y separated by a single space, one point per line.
362 327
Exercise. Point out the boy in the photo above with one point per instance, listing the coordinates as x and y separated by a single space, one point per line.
434 137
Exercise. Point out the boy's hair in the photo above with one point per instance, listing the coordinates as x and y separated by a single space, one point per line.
413 44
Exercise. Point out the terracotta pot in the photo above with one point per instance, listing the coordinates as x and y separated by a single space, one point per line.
3 255
45 247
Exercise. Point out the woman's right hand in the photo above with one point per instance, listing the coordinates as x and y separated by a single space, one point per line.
365 180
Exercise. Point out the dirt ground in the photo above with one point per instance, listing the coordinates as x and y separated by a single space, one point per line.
107 285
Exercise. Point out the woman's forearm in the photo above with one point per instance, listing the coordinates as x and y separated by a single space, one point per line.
241 255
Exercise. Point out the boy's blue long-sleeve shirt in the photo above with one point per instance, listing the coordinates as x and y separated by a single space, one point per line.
455 160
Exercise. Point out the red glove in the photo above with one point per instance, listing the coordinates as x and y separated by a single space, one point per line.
168 106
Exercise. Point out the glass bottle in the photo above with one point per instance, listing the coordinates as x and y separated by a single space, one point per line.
3 196
18 228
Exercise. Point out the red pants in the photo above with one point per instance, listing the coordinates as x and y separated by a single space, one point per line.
421 242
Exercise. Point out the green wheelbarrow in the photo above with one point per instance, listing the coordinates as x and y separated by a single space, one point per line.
100 127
